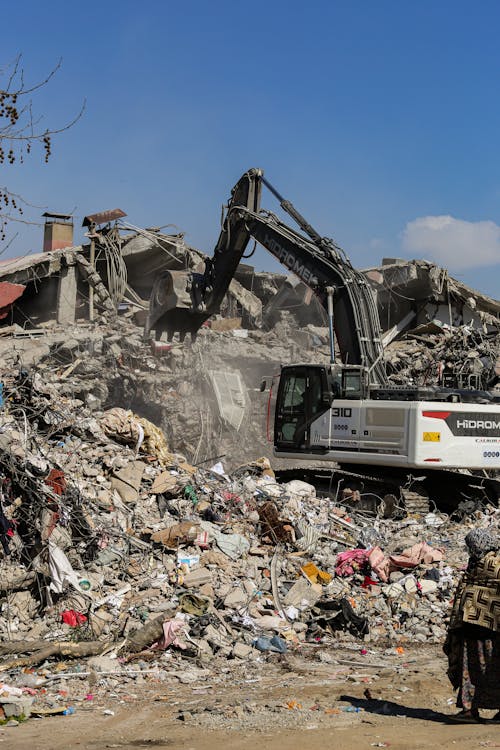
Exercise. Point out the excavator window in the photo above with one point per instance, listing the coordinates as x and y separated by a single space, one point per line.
293 411
301 398
352 384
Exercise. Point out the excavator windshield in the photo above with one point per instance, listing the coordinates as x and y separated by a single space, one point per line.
303 395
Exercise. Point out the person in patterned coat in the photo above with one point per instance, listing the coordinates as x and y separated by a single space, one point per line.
473 640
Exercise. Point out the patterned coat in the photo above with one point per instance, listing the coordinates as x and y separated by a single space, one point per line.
477 599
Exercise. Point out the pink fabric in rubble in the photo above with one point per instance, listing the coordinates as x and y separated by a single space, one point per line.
379 563
351 561
169 638
420 553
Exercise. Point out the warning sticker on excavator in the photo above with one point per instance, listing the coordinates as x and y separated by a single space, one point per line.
432 437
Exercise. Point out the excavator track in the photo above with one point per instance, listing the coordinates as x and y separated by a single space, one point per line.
444 488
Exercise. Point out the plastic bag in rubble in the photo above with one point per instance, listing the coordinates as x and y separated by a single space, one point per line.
169 637
233 545
368 537
274 644
61 570
299 490
73 618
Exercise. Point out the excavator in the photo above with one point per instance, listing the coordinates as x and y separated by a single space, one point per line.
343 414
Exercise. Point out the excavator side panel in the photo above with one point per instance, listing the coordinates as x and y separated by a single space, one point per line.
413 434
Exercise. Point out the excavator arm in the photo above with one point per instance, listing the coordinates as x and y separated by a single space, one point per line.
182 301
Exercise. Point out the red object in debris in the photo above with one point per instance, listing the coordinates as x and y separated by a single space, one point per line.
55 479
8 294
369 582
201 540
159 349
73 618
230 497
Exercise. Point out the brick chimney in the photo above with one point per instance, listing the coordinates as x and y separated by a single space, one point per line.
58 231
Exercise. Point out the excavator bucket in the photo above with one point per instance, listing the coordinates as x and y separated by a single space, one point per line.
171 307
181 301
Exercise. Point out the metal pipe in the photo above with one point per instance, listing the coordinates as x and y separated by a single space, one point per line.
330 292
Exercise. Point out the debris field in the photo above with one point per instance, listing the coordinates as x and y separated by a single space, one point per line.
146 534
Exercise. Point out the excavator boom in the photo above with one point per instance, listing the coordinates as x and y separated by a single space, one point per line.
182 301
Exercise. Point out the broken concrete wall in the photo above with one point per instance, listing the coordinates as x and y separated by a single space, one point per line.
147 253
52 288
295 300
402 287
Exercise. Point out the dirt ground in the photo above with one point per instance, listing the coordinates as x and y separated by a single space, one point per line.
286 703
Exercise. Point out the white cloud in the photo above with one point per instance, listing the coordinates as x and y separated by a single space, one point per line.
453 243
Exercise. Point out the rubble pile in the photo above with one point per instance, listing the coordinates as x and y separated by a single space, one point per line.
109 364
118 550
141 537
462 353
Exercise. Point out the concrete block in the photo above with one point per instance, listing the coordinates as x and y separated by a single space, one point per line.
241 650
197 578
17 707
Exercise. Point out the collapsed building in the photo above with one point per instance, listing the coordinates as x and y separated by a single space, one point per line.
434 327
136 507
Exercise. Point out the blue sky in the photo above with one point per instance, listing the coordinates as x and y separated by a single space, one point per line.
379 120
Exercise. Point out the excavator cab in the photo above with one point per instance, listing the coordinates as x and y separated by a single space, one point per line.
304 394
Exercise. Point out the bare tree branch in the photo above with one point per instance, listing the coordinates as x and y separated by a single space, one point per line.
15 68
39 136
19 130
22 91
9 243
